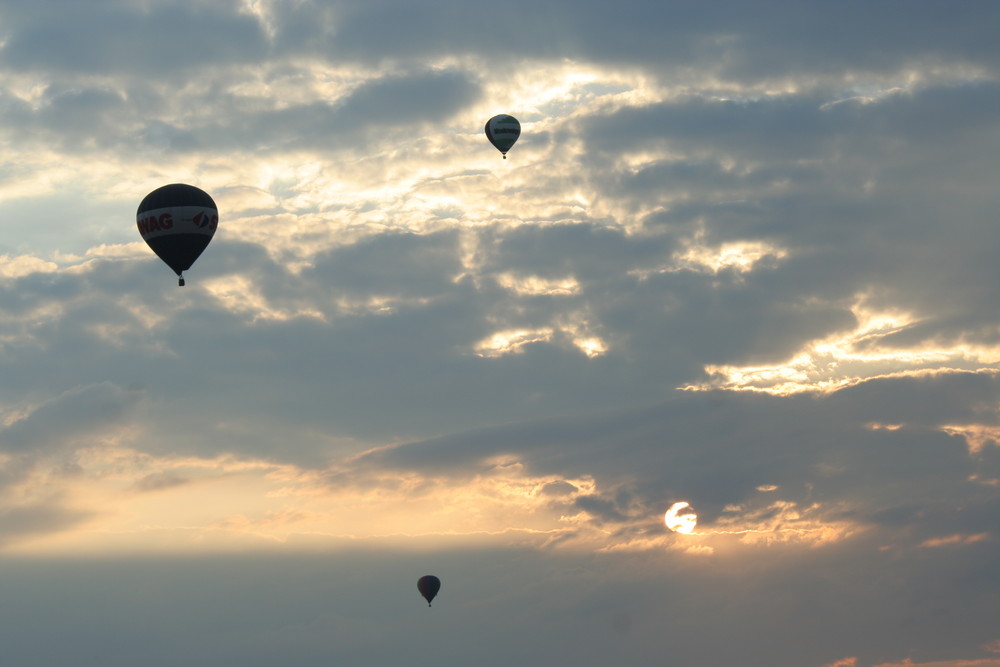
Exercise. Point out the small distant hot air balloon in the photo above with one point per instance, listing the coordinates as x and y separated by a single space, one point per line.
177 221
428 585
503 131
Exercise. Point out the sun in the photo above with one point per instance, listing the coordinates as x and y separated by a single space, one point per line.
680 523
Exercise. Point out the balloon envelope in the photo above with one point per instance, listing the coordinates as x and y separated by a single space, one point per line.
177 221
428 585
503 131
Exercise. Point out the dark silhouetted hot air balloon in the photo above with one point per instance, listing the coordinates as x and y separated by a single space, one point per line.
428 585
503 131
177 221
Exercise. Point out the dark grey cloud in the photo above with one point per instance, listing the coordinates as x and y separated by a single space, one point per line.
137 118
784 37
588 252
803 125
25 522
409 365
424 97
863 195
408 369
394 103
15 110
714 450
774 40
394 264
68 418
107 38
159 481
602 509
558 489
79 110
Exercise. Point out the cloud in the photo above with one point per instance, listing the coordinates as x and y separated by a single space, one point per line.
74 417
21 523
160 480
779 40
740 258
150 41
908 486
15 267
147 120
984 662
845 662
826 490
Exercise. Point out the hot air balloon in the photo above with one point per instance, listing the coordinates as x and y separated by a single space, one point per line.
428 585
503 131
177 221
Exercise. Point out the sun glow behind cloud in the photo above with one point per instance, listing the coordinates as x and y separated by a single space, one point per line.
740 256
538 285
977 436
848 358
680 523
237 294
756 523
514 341
511 341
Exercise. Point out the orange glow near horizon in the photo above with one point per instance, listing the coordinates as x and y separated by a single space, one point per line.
132 502
125 501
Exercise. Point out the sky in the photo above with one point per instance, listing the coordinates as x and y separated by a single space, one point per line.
705 373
